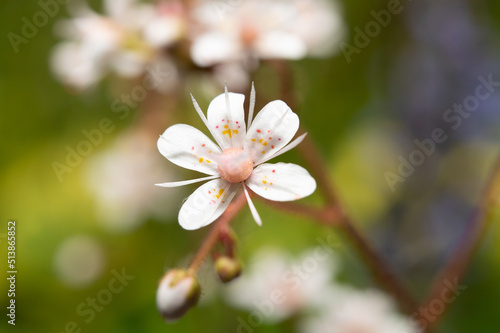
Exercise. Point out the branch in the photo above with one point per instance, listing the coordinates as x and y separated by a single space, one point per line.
326 215
334 218
333 213
380 269
212 237
383 274
456 267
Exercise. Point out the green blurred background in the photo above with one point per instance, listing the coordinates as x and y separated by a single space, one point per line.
362 114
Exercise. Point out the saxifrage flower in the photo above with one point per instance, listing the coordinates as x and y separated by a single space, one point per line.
238 159
126 40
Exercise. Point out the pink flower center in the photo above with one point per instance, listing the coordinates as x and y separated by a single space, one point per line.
235 165
248 34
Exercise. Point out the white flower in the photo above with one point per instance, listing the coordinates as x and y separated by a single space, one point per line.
279 286
130 36
233 160
248 30
347 310
256 28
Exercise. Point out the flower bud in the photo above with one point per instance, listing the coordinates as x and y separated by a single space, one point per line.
177 293
227 268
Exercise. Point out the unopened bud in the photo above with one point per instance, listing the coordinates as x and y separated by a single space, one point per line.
177 293
227 268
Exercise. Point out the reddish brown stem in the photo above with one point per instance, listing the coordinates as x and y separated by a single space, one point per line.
213 236
381 271
326 215
383 274
456 267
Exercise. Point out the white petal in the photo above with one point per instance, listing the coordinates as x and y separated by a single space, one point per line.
281 45
252 106
212 48
101 36
206 204
186 182
253 210
288 147
163 30
273 127
281 182
226 118
189 148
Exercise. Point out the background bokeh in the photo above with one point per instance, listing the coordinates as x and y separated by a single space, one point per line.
363 114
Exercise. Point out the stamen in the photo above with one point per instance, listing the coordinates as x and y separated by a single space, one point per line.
252 106
255 214
186 182
204 119
228 109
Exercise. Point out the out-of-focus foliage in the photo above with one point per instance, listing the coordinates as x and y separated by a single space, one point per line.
362 114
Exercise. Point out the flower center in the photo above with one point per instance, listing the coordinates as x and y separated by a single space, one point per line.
248 34
235 165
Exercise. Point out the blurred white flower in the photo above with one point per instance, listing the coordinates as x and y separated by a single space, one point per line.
168 25
79 260
321 26
278 286
125 40
347 310
248 30
121 178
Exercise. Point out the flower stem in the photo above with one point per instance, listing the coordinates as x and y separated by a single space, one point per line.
213 236
380 269
326 215
456 267
333 213
383 274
